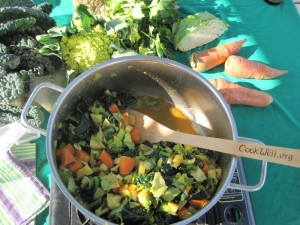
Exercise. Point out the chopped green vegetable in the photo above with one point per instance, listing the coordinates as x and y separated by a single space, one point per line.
113 201
197 30
162 180
158 187
109 181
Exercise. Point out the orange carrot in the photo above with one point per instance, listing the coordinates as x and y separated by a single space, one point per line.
106 158
126 164
69 146
198 203
237 94
132 188
75 166
83 155
240 67
125 118
135 136
66 155
209 58
205 168
113 108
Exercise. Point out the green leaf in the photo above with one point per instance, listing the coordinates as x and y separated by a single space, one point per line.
83 18
113 26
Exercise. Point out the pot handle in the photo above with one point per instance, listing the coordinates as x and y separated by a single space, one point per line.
30 100
263 172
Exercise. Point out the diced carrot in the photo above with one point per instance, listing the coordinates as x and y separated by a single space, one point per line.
135 136
132 188
71 148
126 116
237 94
83 155
106 158
205 168
240 67
126 164
66 156
198 203
183 213
124 120
209 58
75 166
113 108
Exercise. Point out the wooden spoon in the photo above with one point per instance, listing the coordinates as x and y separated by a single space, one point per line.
154 132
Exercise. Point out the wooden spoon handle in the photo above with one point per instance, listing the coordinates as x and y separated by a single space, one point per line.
285 156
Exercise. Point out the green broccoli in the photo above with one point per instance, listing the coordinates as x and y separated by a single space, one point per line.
10 114
83 50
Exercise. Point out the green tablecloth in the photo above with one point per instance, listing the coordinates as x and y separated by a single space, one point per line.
273 34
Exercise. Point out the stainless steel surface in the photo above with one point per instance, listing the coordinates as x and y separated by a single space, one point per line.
263 172
29 102
146 75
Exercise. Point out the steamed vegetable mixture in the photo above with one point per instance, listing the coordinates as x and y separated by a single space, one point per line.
119 177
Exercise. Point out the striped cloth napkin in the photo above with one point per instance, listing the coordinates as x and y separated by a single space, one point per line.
22 195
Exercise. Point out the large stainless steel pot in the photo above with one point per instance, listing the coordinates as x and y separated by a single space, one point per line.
148 76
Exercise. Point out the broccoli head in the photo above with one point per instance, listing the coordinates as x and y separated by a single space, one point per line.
84 50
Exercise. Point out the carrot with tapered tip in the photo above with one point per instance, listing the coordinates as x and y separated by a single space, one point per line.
204 60
237 94
238 66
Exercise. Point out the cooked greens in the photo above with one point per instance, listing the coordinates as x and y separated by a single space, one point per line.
163 183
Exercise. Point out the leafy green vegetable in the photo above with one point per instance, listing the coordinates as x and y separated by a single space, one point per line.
198 29
146 27
17 12
28 3
9 61
158 185
17 25
9 114
11 87
164 177
109 181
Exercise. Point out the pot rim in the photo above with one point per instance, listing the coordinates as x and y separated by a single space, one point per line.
57 105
